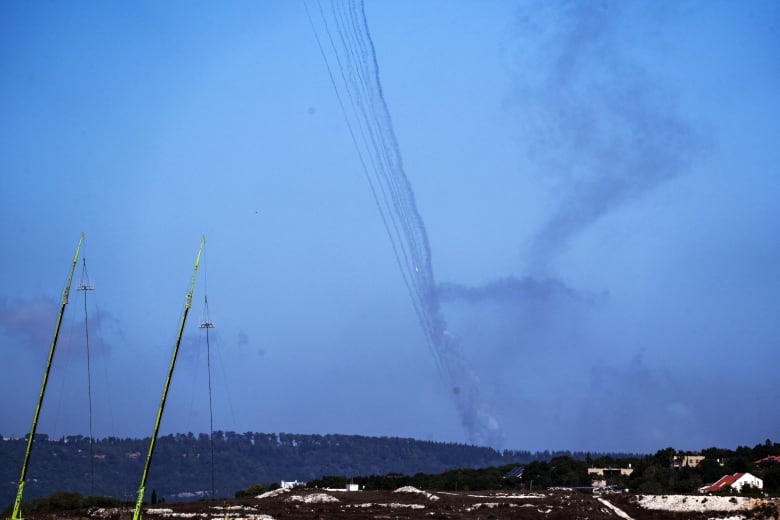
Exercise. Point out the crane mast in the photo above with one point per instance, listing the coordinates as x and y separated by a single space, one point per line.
187 306
17 513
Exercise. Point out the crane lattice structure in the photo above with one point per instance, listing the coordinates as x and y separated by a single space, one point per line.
187 305
17 510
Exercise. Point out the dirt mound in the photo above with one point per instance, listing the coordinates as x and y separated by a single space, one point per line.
412 489
688 503
415 504
313 498
273 493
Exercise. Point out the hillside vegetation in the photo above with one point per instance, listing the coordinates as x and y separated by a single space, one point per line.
664 472
250 462
181 467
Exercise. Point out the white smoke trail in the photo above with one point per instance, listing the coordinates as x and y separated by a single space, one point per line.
343 37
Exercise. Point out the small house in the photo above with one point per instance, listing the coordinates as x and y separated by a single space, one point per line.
735 481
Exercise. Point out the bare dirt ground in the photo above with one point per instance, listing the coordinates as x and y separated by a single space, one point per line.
412 503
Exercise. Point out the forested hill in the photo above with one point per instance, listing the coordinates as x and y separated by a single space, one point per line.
181 467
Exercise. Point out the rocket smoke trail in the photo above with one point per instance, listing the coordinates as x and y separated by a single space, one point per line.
342 35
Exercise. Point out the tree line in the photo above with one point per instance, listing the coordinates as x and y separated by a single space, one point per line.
181 466
661 473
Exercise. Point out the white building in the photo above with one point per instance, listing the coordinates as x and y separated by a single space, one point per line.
736 481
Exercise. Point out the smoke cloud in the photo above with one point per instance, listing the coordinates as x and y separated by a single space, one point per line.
596 122
508 289
32 322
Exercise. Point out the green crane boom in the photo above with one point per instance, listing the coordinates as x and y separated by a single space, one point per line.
17 511
187 305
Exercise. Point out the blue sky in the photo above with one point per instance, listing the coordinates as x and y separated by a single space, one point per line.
598 182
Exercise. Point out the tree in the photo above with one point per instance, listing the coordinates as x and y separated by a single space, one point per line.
537 474
665 457
566 471
710 470
750 491
771 476
763 450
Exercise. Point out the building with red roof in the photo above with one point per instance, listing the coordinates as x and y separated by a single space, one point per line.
735 481
771 459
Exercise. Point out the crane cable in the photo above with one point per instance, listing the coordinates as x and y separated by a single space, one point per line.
207 324
85 286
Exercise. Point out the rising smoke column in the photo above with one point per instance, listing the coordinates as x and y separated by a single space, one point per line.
343 37
601 124
597 121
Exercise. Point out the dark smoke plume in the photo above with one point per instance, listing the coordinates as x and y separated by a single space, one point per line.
30 320
33 320
597 122
507 289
